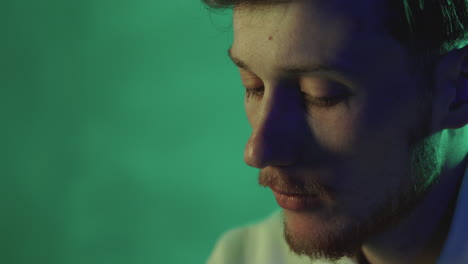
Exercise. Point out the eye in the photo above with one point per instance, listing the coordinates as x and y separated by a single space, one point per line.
323 102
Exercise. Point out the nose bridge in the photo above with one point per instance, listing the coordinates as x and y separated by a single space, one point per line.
277 129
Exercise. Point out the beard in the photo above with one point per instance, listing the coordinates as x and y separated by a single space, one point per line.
343 235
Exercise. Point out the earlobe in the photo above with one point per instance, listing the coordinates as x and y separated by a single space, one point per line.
461 96
457 115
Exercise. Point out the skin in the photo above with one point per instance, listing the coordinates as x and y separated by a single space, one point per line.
380 159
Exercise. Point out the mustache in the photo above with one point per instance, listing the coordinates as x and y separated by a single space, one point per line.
293 184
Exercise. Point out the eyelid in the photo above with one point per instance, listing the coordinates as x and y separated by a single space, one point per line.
320 102
317 86
311 83
344 80
249 80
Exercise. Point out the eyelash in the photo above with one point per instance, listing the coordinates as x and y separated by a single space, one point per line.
323 102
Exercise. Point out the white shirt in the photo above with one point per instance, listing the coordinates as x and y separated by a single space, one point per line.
263 242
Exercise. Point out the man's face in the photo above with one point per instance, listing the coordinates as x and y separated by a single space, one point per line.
371 153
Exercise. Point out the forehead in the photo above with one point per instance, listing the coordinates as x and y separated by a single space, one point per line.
364 15
297 31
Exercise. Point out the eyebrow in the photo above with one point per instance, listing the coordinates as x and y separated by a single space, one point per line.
336 71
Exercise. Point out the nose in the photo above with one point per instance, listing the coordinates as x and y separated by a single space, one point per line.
277 129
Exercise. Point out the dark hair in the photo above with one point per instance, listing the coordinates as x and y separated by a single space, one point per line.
428 29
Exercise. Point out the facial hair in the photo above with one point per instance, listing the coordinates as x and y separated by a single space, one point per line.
345 236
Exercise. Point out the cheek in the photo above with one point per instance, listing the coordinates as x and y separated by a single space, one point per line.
338 130
368 189
371 157
252 111
375 170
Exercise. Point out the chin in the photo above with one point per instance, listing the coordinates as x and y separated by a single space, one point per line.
318 235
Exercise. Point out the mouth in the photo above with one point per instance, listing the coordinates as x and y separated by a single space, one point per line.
297 202
276 190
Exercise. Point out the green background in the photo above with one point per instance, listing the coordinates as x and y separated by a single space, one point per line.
123 131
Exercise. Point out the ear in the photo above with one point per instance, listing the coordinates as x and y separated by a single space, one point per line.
450 109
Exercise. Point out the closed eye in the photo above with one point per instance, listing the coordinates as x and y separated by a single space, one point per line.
323 102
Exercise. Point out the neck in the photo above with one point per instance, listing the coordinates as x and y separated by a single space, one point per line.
421 236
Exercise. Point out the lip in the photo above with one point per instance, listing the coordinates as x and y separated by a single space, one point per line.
286 193
297 202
